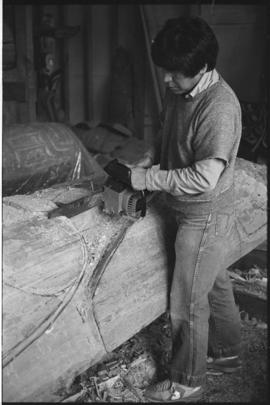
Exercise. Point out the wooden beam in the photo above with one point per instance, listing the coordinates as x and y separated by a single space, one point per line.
88 62
25 61
139 57
65 62
152 68
31 91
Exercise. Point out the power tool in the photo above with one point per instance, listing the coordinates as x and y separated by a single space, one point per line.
118 195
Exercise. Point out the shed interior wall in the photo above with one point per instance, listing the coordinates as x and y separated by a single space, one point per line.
87 58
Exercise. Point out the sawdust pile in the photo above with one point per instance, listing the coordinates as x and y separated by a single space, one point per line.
124 375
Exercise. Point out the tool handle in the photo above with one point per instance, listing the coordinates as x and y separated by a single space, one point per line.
119 172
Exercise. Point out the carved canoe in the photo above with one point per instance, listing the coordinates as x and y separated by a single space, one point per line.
76 288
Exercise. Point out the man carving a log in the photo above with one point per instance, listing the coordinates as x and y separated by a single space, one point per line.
193 161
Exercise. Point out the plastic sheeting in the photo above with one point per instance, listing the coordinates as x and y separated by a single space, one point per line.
39 155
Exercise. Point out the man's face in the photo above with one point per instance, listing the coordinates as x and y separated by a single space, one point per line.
180 84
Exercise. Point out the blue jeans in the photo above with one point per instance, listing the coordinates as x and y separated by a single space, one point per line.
204 317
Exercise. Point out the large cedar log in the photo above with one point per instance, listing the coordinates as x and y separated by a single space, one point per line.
75 289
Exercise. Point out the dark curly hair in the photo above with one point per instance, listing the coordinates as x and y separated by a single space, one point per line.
186 45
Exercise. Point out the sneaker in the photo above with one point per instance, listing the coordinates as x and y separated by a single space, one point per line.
167 391
222 365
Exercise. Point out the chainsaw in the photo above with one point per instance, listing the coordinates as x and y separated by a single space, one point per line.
117 195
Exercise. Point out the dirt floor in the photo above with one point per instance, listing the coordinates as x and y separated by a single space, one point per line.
124 375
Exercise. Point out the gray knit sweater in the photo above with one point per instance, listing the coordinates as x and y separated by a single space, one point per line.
206 126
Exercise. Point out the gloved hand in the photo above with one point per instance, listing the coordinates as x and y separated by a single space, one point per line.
138 178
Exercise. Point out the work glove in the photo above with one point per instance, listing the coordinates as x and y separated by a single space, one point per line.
138 178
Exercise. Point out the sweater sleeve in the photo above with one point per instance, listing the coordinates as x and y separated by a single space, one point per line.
202 176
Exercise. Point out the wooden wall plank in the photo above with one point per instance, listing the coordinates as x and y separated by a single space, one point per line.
241 32
140 79
74 65
30 75
101 17
88 63
23 108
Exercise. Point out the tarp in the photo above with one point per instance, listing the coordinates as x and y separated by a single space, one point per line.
39 155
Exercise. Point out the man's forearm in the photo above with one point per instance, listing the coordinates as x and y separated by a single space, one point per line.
200 177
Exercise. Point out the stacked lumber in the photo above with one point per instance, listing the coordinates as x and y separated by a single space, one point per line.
76 288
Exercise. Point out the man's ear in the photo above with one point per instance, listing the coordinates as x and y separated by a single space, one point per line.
204 69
